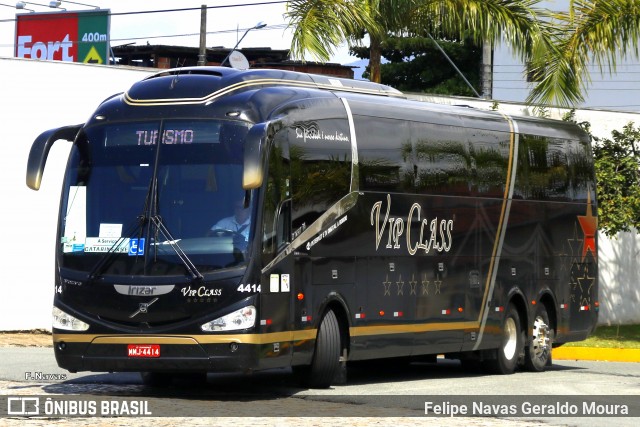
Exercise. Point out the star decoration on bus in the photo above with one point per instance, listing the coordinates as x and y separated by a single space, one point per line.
581 282
387 286
400 285
585 282
575 244
438 284
412 285
425 286
589 226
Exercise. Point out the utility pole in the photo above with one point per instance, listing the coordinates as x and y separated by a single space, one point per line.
486 73
202 55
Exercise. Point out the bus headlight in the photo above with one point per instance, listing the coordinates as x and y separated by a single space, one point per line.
239 319
62 320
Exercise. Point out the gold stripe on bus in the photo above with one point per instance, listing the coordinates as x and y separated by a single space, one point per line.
496 243
143 340
360 331
266 338
502 229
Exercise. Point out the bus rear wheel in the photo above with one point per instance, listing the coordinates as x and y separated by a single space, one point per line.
326 358
512 344
538 352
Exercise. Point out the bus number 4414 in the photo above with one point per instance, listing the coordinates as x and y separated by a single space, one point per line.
248 288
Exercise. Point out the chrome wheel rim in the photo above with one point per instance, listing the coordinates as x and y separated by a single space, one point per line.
540 342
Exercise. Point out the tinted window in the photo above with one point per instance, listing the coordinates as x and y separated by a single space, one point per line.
320 153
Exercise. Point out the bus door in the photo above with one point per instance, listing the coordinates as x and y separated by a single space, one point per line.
277 279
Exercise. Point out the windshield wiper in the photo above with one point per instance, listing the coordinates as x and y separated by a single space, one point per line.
189 265
151 206
115 248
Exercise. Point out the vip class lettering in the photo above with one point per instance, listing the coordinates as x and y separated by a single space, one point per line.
201 292
421 234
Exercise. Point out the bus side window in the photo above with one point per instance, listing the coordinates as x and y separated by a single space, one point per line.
276 227
320 171
283 227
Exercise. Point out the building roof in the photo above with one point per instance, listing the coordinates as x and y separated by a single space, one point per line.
167 56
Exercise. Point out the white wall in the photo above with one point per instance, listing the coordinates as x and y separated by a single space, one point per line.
36 96
619 263
40 95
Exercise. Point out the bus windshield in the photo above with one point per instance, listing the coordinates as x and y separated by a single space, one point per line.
153 197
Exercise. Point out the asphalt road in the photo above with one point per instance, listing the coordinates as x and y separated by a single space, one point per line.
382 389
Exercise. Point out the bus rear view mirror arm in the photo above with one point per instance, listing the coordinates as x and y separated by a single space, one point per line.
40 151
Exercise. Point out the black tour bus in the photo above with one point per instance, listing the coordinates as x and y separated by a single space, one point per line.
372 227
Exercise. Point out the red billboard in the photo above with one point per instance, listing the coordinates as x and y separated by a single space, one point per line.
81 36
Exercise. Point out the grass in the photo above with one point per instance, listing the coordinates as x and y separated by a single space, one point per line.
617 336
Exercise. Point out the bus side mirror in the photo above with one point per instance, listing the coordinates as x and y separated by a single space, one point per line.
253 148
40 151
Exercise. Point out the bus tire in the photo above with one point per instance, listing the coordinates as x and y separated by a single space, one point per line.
538 352
326 357
512 344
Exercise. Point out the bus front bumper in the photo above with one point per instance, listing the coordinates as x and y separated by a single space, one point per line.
123 353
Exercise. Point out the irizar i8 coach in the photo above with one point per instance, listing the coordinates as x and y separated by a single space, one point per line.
219 220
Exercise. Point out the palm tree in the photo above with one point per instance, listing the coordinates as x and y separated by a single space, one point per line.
598 30
320 26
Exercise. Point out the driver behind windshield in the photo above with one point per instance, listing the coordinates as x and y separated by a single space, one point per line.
238 222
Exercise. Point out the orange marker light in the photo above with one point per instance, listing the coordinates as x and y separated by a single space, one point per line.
381 312
460 309
300 296
533 302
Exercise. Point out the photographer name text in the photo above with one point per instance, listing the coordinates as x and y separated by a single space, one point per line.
524 409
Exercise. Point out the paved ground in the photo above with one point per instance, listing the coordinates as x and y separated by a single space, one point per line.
42 338
321 411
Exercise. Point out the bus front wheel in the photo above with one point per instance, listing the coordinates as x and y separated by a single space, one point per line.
326 358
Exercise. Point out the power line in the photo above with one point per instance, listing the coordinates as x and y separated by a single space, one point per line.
186 9
269 27
265 3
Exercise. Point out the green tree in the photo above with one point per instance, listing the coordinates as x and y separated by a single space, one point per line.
320 26
617 162
416 65
592 30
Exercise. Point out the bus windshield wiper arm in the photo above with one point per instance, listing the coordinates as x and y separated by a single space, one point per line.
190 266
99 267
